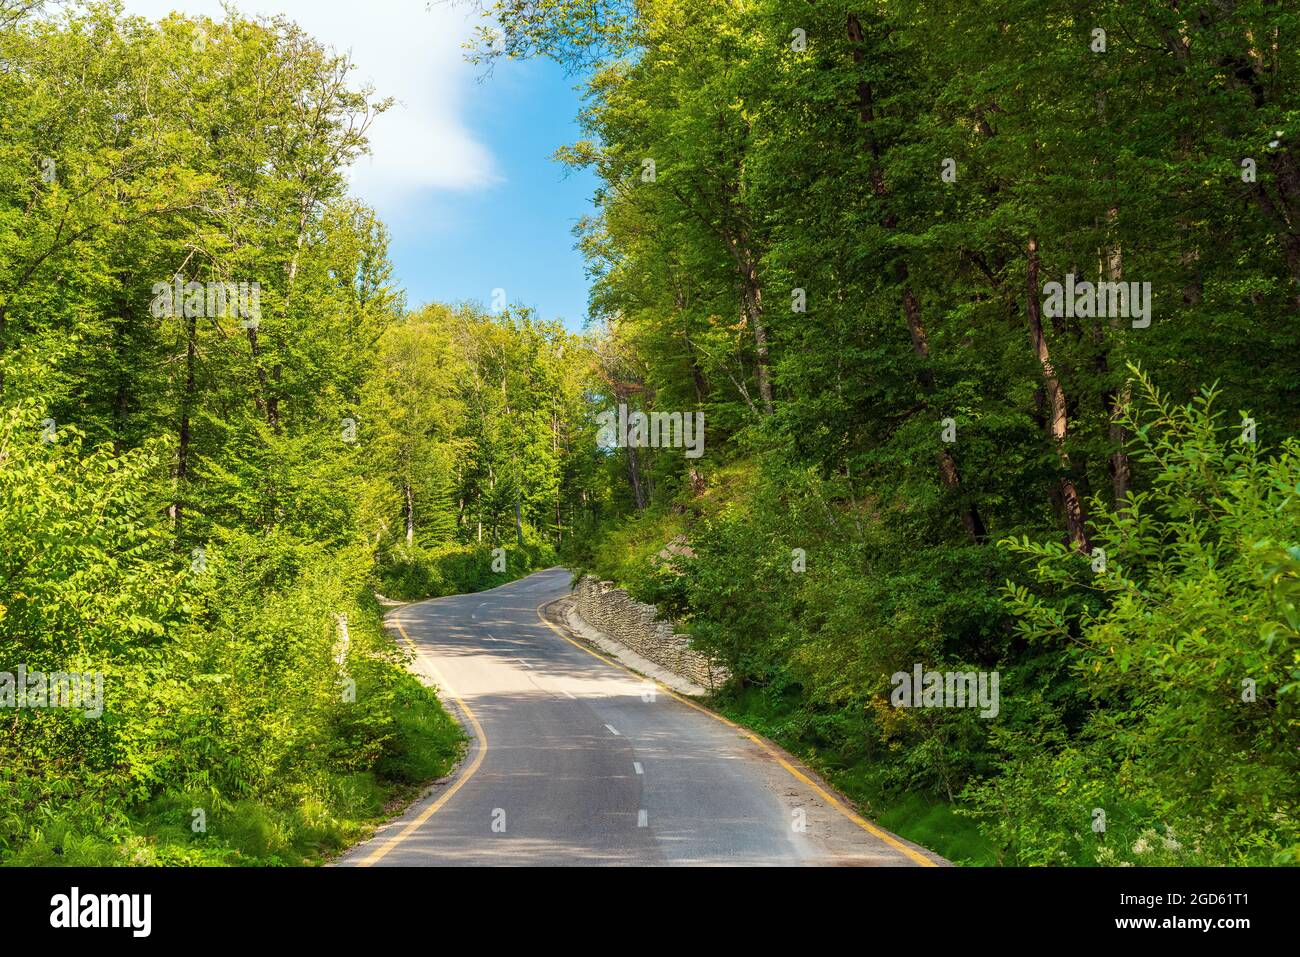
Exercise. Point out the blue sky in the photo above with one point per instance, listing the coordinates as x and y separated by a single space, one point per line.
462 170
514 233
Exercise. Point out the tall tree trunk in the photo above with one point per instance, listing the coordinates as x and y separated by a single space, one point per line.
273 400
634 477
970 516
1243 71
754 295
920 344
948 474
409 511
692 359
183 442
122 392
260 399
751 292
1057 418
1114 401
1121 469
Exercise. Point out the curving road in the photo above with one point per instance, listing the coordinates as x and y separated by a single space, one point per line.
577 761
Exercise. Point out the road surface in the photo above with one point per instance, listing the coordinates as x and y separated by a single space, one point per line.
576 761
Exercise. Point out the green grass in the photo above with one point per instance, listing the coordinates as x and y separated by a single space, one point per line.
304 825
929 821
428 741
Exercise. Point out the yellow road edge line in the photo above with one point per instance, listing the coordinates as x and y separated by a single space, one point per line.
379 852
834 802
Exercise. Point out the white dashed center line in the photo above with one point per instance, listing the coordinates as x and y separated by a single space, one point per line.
612 729
636 765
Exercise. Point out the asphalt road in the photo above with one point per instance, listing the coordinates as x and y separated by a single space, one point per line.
576 761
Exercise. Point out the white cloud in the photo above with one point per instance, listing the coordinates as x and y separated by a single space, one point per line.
405 51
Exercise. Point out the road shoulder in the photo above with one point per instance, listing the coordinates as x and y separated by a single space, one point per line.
564 611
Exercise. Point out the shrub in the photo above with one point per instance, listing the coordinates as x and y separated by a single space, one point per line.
1187 644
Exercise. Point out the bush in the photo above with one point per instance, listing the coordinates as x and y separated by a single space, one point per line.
226 687
1187 643
415 572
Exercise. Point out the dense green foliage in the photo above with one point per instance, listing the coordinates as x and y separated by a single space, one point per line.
221 692
830 227
417 572
198 502
479 427
1185 645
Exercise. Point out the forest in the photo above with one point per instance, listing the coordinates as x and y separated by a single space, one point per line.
223 433
989 315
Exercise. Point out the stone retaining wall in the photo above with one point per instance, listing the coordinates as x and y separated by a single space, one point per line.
634 624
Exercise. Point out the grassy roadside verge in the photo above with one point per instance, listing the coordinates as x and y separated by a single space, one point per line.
302 821
344 809
320 784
